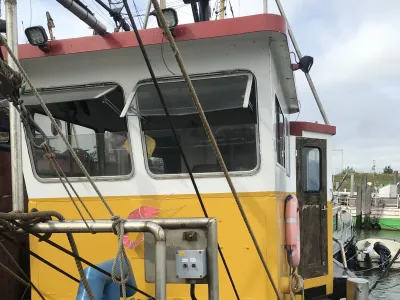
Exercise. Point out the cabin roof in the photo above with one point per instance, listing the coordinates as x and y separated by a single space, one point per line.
297 128
153 36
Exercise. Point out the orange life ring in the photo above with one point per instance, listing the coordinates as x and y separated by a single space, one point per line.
292 226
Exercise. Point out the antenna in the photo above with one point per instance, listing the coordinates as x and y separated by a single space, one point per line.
23 28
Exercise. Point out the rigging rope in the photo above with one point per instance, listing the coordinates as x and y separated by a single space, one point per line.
57 168
176 138
22 271
18 79
210 135
24 220
121 256
15 275
23 76
45 261
66 251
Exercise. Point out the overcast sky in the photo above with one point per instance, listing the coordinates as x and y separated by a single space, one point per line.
356 70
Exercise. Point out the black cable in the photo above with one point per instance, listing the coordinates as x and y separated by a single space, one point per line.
138 14
66 251
160 95
192 291
162 56
26 277
45 261
230 4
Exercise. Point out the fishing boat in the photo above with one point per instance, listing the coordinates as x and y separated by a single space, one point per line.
99 91
370 257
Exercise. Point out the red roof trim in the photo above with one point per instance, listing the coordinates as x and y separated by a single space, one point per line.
297 128
186 32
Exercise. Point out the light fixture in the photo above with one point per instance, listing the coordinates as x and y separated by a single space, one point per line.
37 36
305 64
170 15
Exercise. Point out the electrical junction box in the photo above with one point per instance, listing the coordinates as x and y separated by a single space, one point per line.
191 264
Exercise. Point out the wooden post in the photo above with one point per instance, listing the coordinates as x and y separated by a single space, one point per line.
359 207
352 185
367 208
364 196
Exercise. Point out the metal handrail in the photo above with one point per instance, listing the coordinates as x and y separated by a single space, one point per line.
156 228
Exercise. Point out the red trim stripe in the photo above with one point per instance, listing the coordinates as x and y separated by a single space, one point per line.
186 32
297 128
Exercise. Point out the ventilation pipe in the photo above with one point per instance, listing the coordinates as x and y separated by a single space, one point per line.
84 15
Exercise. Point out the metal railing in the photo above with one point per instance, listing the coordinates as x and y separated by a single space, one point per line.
386 200
156 228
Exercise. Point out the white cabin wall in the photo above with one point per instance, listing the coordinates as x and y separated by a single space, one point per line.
282 175
126 67
293 177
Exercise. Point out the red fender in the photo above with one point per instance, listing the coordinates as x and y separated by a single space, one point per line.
292 226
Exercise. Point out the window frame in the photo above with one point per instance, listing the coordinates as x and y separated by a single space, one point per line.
285 135
84 179
132 101
227 73
287 138
319 170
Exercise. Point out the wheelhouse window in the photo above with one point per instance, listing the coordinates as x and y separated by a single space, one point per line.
280 134
230 106
89 117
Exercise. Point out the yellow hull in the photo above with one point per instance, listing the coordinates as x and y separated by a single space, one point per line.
265 213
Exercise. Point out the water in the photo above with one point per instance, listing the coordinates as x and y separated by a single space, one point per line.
389 288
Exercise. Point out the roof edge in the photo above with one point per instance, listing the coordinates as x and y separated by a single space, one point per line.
297 128
154 36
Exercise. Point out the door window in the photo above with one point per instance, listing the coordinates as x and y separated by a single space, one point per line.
311 169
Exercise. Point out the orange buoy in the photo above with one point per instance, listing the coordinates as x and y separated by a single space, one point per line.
292 226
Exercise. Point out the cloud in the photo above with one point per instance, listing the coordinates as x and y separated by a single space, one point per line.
356 74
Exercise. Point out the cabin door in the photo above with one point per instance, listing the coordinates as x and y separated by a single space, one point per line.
311 192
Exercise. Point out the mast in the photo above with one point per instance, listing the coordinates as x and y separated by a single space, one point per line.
299 55
163 4
15 122
146 18
221 14
265 6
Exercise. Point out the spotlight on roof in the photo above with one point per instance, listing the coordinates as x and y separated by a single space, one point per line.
170 15
37 36
305 64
